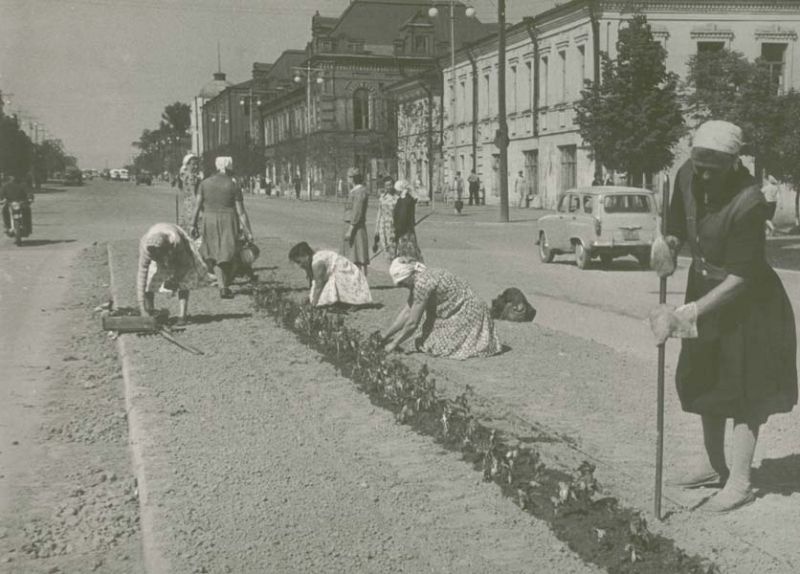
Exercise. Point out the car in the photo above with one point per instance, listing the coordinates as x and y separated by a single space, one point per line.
73 176
144 177
600 221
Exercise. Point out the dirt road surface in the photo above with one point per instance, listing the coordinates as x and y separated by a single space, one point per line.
259 428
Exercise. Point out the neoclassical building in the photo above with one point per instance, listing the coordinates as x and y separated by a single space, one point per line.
549 55
332 110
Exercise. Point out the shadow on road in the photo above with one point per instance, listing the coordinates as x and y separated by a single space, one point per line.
40 242
778 475
204 318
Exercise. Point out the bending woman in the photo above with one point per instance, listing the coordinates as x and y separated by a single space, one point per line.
738 356
457 324
168 260
220 200
332 278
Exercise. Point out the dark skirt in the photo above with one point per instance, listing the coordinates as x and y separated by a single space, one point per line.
220 232
358 250
744 363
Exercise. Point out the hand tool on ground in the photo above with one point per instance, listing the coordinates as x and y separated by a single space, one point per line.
146 324
420 220
662 298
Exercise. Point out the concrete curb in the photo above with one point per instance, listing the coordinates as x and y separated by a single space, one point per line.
154 562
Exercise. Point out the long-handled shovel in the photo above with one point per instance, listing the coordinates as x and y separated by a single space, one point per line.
662 299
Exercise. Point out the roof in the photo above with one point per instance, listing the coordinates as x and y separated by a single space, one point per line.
213 88
378 22
282 68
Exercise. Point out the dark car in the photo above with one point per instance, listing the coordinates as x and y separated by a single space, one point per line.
144 177
73 176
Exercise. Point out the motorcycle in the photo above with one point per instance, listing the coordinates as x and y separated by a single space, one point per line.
19 227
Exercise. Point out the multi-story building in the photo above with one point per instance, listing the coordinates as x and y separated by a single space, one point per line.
231 123
338 113
548 57
208 92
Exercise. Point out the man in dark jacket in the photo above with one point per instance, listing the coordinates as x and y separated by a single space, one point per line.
16 190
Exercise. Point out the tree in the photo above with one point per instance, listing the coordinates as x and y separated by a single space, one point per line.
162 149
632 119
15 148
724 85
177 118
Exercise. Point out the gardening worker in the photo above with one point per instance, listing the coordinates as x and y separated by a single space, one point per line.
355 245
169 261
332 278
738 355
457 324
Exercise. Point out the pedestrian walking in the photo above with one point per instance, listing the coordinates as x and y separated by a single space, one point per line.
474 184
189 178
220 200
521 189
738 354
355 245
385 236
296 181
170 262
457 192
405 222
332 278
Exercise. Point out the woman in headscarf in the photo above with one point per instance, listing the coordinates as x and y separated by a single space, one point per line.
738 355
220 200
189 178
332 278
457 324
384 222
168 260
405 223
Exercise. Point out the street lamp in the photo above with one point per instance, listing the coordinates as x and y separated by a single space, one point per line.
247 104
298 79
433 12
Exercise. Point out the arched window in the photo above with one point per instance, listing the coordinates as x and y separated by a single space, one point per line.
361 109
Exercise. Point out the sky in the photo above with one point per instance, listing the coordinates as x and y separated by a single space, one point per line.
95 73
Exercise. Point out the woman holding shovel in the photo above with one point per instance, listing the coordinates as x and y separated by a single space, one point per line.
738 355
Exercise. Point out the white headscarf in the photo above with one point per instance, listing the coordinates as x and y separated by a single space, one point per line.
187 158
719 136
223 163
404 267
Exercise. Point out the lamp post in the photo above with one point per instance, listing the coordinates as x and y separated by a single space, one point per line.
247 103
308 69
433 12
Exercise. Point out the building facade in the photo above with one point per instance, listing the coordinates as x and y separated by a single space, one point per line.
337 113
548 57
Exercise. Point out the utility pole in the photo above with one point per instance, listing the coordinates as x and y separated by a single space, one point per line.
501 138
308 69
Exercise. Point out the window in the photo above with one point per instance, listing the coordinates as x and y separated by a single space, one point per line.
569 166
588 204
774 56
562 57
420 44
361 109
626 204
544 71
514 90
462 103
582 64
574 204
706 47
529 84
487 91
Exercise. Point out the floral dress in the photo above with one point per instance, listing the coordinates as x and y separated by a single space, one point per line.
190 180
384 225
457 324
344 282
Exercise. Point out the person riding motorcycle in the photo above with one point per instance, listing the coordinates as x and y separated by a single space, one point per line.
16 190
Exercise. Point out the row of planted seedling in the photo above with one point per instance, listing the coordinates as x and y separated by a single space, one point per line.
595 527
